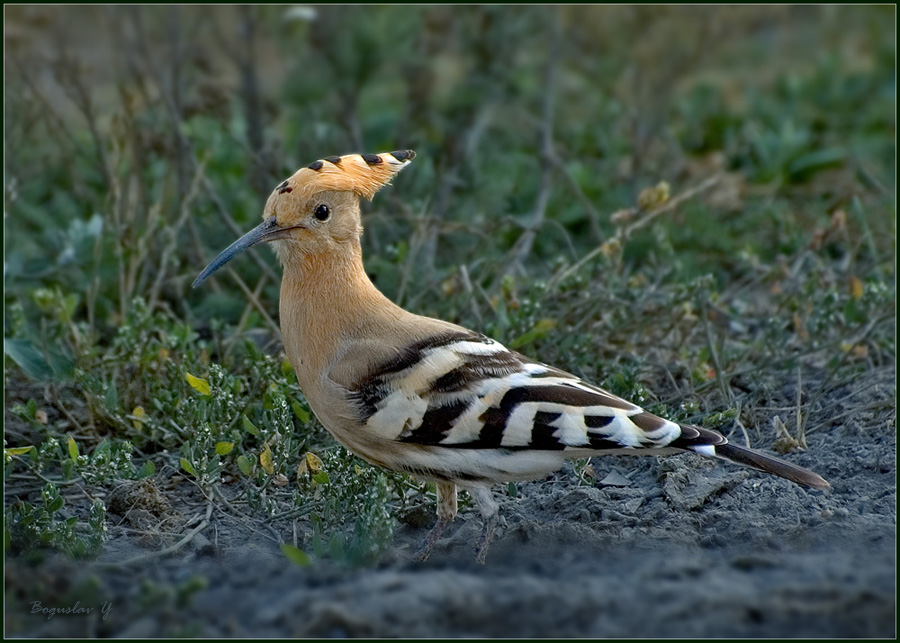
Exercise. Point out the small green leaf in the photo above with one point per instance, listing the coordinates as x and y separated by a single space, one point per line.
224 448
313 462
402 250
111 399
199 385
321 477
300 412
138 417
43 297
296 556
187 466
56 504
265 459
806 165
70 303
147 469
249 427
539 331
63 366
73 450
245 464
213 465
28 358
17 450
336 547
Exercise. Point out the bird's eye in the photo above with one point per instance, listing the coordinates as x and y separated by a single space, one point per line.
322 212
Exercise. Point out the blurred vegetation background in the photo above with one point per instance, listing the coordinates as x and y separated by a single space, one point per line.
141 140
677 201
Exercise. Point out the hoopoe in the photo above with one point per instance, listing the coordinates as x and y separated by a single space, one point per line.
425 396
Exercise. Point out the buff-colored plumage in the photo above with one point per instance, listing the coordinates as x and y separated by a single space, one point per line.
425 396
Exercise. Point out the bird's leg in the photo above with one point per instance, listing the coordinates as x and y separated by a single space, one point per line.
490 512
446 511
424 550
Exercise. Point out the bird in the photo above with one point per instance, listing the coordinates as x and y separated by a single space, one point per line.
428 397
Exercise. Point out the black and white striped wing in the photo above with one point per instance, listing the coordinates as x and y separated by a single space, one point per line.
465 391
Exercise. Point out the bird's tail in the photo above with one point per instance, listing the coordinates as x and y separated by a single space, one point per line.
770 464
711 443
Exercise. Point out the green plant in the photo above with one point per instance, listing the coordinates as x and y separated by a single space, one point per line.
28 528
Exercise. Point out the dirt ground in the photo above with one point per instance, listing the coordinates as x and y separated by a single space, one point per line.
658 547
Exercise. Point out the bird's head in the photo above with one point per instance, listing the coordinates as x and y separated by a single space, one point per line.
317 209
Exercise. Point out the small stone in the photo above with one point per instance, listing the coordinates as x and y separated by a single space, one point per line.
614 479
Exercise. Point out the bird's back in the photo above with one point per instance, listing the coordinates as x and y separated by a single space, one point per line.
452 401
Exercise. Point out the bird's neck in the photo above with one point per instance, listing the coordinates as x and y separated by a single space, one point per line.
325 299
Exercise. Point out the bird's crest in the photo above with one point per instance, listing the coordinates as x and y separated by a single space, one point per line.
363 174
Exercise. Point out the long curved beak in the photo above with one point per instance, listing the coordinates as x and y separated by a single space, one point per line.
268 230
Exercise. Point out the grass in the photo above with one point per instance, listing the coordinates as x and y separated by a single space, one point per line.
688 205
